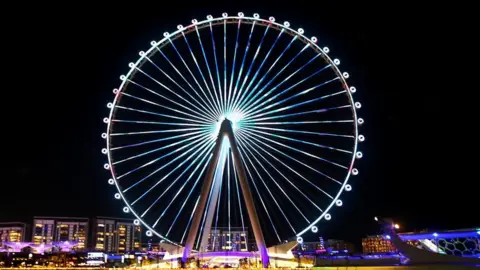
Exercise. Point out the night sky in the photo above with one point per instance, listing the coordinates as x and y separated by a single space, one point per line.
410 66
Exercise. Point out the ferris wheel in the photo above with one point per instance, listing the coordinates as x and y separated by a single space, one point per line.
292 115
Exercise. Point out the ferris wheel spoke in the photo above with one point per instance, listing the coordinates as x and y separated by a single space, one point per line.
268 189
200 115
247 137
254 132
203 154
190 220
160 114
192 189
205 110
158 123
199 119
217 105
233 66
254 113
205 211
250 107
228 183
273 179
247 142
222 105
240 102
159 140
225 64
247 101
238 193
299 122
299 131
247 168
234 106
193 76
241 67
300 141
211 109
198 138
178 166
299 113
158 131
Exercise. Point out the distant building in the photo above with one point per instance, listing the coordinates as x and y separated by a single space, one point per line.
225 239
60 229
330 245
377 244
116 235
12 232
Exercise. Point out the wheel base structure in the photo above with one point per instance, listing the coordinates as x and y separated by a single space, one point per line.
226 131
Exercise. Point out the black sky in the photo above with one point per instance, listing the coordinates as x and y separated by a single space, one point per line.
411 66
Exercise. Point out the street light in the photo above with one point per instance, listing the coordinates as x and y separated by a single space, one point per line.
397 226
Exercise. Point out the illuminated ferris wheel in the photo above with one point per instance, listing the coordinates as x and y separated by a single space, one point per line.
285 108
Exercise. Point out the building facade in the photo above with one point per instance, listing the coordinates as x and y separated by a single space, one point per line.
60 229
225 239
116 235
374 244
12 232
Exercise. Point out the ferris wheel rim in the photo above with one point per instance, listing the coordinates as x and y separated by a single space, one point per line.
231 19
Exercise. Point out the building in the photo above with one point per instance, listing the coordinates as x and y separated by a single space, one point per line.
331 245
60 229
12 232
116 235
43 231
225 239
374 244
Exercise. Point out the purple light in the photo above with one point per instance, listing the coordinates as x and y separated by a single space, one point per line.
388 236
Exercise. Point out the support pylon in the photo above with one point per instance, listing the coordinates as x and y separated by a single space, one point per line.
226 130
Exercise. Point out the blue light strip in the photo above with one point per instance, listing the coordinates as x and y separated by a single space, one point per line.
304 122
200 119
259 196
273 179
263 108
203 116
300 131
253 132
233 67
158 123
240 103
204 109
157 131
210 108
247 142
238 193
302 141
208 68
159 114
249 107
203 154
202 138
299 113
234 106
212 100
241 67
191 190
248 99
222 104
200 146
225 64
158 140
292 158
204 135
190 220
